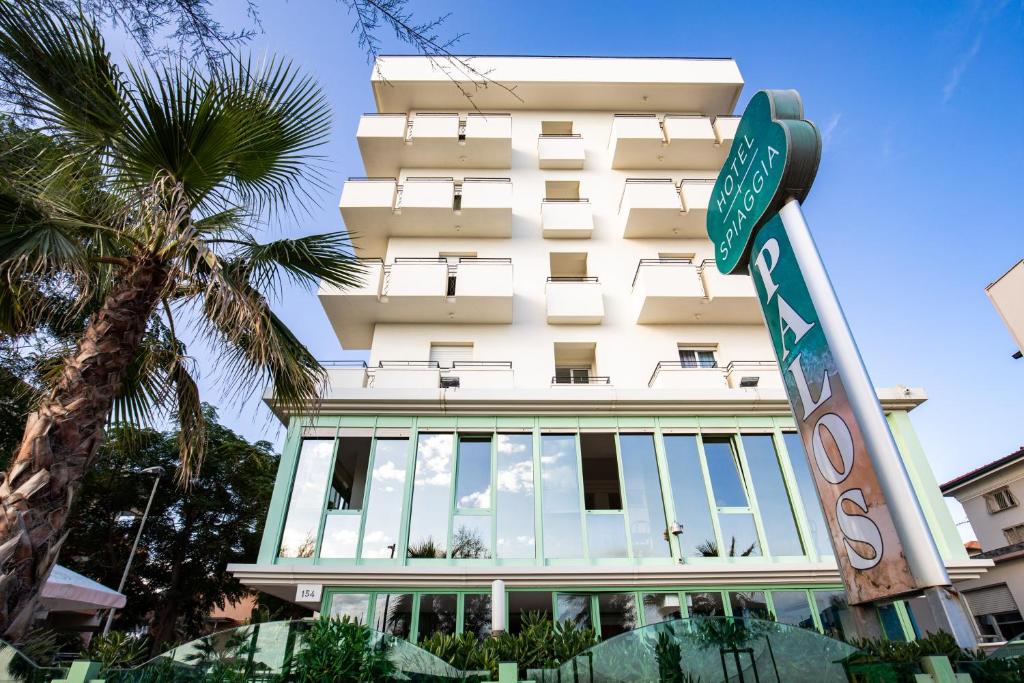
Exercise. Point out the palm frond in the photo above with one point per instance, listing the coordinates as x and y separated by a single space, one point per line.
73 86
191 422
304 261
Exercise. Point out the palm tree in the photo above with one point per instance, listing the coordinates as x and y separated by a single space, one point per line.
140 211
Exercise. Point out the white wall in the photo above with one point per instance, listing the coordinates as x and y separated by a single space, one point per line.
626 352
988 526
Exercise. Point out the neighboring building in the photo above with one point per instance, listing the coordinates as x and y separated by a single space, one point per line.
992 497
1007 295
562 391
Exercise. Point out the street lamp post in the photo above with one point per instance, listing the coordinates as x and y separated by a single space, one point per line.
157 472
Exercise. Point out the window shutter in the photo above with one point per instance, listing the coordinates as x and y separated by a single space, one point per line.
446 354
991 600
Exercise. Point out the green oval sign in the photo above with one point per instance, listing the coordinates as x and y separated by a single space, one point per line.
774 156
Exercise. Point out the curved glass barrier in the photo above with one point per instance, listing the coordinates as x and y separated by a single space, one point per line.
709 650
17 667
1012 648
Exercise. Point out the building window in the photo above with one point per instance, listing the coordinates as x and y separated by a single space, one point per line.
562 190
617 613
437 614
996 612
748 604
1000 499
648 528
689 493
736 521
476 615
601 489
447 353
705 604
523 603
352 605
560 496
808 493
431 496
572 375
349 481
1014 534
515 513
574 362
793 608
573 608
392 613
834 612
384 507
697 358
302 521
473 473
556 127
773 502
659 607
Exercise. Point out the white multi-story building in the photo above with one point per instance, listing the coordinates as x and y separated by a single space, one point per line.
562 391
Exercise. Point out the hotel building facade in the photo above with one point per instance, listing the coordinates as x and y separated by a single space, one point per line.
562 392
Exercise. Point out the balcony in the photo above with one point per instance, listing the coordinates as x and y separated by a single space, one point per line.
642 141
473 374
677 291
420 290
574 301
406 374
566 218
754 374
344 374
392 142
560 151
375 209
674 374
656 207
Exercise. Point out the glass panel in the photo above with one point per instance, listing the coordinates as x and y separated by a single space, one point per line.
515 496
303 519
560 496
689 495
601 490
647 528
521 603
749 604
606 533
431 496
348 485
705 604
618 613
792 607
773 501
476 616
660 607
392 613
351 605
341 536
437 614
574 609
384 510
473 475
739 536
891 625
724 469
808 493
836 620
471 537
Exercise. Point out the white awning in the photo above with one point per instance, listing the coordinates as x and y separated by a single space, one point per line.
68 591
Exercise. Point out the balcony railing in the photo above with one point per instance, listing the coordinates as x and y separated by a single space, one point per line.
676 291
572 278
592 379
658 207
560 151
391 142
692 141
574 300
680 374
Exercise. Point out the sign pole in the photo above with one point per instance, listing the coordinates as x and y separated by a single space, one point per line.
919 547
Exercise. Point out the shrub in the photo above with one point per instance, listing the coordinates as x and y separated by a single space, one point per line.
341 651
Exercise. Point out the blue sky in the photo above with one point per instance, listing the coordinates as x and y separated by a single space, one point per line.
915 209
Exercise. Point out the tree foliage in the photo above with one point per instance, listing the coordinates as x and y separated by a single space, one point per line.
179 573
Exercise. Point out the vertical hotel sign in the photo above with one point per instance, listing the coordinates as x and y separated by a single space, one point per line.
881 541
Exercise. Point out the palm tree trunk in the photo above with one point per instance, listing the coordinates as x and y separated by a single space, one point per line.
60 444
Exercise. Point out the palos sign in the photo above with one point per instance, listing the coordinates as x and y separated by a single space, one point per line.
881 540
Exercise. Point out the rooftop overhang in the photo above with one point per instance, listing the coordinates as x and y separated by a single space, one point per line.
621 84
280 580
568 400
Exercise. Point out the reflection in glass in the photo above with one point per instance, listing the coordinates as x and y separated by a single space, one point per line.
515 496
351 605
618 613
836 619
739 536
748 604
647 527
724 470
384 509
476 617
526 602
473 474
431 496
792 607
341 536
471 537
303 519
560 496
437 614
773 501
606 534
392 613
705 604
808 493
693 510
659 607
573 608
